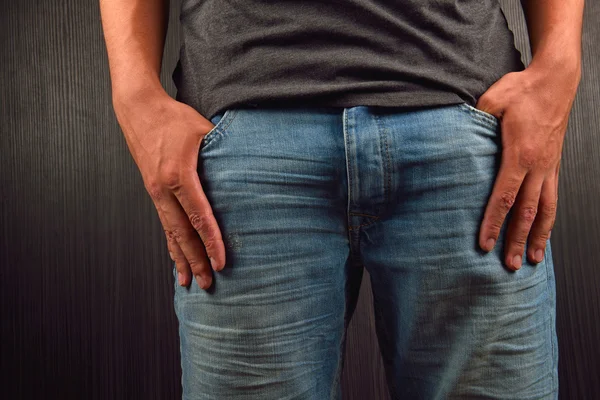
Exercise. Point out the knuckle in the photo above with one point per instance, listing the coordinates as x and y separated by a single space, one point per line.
537 239
170 237
544 236
154 189
528 158
483 99
507 199
546 162
178 234
196 266
176 256
181 264
200 221
171 176
528 213
549 210
493 228
519 241
210 244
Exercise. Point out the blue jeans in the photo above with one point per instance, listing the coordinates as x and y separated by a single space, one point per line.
306 198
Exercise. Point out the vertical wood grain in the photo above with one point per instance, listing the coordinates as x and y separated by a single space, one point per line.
85 279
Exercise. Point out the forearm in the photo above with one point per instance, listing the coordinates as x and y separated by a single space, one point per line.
134 32
555 36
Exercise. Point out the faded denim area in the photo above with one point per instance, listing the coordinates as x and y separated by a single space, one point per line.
305 199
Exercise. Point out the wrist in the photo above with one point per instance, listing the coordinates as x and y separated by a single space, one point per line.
558 73
566 66
136 93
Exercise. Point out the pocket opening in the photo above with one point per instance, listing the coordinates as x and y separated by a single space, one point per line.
218 120
487 117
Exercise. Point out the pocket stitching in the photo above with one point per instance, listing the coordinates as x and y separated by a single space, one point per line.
227 118
482 115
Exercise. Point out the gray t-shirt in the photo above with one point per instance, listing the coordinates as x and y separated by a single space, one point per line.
394 53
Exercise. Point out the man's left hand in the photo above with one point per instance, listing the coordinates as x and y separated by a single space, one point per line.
533 106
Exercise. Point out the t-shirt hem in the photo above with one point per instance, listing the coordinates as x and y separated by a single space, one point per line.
388 100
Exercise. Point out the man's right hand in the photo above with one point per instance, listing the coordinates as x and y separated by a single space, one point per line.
164 136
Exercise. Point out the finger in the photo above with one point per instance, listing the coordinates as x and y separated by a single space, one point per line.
522 218
540 231
491 100
199 212
557 171
556 182
188 240
509 179
184 272
488 106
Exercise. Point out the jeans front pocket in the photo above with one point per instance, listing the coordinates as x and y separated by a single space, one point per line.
220 121
480 114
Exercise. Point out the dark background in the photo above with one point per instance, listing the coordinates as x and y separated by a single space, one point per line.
86 281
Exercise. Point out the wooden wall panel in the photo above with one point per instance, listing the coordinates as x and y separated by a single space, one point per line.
85 278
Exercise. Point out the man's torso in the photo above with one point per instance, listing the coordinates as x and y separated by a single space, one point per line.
398 53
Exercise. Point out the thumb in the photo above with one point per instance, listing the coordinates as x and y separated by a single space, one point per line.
494 98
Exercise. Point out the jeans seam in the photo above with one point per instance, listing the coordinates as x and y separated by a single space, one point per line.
489 120
551 319
387 189
364 215
221 127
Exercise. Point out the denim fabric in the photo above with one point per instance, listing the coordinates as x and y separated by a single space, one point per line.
305 199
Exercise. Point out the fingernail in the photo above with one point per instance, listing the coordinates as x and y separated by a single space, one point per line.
538 255
213 263
517 262
490 244
200 281
180 278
